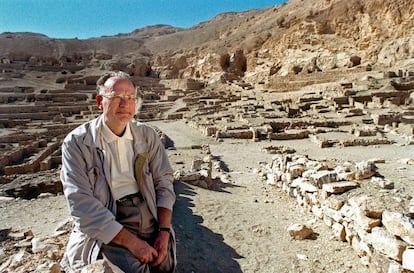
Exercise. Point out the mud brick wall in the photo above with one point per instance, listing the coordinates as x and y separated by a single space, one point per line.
32 165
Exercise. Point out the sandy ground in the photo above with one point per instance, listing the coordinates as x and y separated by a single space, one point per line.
240 226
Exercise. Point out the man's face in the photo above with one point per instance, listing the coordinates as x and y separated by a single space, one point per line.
117 106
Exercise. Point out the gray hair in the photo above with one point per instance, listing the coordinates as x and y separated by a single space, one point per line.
100 83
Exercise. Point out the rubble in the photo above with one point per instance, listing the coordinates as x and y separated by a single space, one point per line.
377 234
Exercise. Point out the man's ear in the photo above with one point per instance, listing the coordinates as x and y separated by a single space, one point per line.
98 99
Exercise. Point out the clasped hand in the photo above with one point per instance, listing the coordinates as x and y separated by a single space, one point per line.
148 254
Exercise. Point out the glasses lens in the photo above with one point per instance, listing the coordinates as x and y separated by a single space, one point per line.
118 98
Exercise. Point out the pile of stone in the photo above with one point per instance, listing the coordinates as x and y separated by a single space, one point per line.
381 232
21 251
202 169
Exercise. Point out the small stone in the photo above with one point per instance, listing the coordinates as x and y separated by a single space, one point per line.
300 231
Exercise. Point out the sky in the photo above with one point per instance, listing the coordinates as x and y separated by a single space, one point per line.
94 18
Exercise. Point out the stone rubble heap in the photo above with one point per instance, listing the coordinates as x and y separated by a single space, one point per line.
21 251
382 236
201 172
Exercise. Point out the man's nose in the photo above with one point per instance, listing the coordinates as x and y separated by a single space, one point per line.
122 101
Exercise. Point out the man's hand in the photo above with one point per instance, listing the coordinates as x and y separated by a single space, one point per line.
161 246
139 248
143 251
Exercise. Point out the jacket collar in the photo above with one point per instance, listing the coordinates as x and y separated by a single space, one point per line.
93 128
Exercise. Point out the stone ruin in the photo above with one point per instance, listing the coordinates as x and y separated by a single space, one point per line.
329 113
37 121
381 234
361 111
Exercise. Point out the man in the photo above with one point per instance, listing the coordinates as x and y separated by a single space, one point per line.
118 184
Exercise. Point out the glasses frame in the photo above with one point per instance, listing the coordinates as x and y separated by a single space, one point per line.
126 98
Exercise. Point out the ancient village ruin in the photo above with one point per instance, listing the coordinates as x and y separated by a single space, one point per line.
336 100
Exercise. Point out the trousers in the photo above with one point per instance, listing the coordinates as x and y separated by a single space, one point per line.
133 214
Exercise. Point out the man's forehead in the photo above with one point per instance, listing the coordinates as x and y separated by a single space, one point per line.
113 81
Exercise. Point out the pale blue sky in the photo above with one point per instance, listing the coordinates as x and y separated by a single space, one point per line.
95 18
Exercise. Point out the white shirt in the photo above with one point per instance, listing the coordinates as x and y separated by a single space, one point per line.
119 153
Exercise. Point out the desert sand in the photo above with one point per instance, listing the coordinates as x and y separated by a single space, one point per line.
238 226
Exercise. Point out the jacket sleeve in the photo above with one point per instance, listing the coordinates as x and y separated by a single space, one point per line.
162 172
84 186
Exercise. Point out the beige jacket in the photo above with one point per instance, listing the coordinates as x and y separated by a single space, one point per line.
85 178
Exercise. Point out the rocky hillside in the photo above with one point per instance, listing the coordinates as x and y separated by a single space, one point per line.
260 45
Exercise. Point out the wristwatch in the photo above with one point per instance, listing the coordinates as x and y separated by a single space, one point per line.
167 229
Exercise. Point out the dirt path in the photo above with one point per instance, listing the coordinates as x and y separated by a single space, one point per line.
241 226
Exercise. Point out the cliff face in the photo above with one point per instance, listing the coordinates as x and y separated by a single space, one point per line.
296 37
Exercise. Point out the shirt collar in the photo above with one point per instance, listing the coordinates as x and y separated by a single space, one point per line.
109 136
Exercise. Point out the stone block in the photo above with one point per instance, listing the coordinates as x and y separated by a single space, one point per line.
300 231
387 244
364 221
399 225
339 232
408 259
339 187
324 177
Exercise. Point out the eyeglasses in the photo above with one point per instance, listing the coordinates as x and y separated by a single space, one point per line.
118 98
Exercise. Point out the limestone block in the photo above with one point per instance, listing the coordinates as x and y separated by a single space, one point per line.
347 176
399 225
387 244
189 177
296 170
356 246
317 211
339 231
339 187
381 263
39 245
313 198
211 130
364 221
408 259
334 214
350 234
370 207
287 177
271 179
382 119
46 163
347 211
359 132
324 177
364 169
304 185
334 202
365 246
328 220
308 173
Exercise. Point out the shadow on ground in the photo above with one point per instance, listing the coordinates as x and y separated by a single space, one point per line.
199 249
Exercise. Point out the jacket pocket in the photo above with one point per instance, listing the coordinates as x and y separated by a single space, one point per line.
140 161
